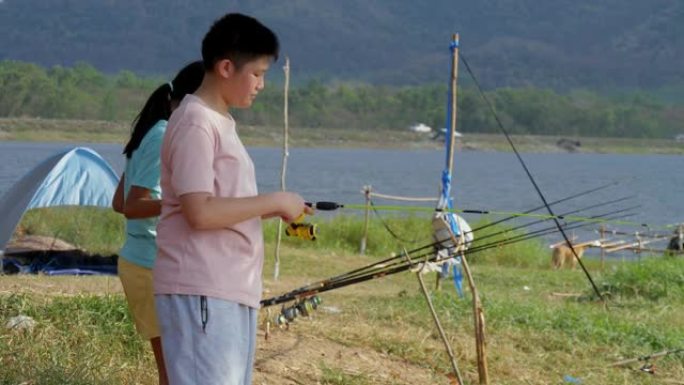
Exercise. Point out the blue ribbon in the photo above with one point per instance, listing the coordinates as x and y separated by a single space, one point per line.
458 278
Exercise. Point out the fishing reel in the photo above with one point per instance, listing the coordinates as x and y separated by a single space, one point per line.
309 231
302 230
301 308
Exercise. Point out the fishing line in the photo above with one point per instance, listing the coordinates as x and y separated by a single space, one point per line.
564 215
529 175
511 214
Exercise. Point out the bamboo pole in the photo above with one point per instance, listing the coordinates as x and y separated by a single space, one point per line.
367 191
438 324
454 95
283 170
452 123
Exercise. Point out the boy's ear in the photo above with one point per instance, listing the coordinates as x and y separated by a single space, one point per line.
225 68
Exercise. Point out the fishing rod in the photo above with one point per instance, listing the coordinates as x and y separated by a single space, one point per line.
577 195
329 206
327 285
377 272
323 286
647 357
536 234
391 262
472 231
440 242
497 243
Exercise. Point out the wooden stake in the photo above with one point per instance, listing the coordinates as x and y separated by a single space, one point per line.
478 313
267 324
438 324
364 239
602 232
283 170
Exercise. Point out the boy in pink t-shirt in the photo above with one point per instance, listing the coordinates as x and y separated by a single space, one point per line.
207 275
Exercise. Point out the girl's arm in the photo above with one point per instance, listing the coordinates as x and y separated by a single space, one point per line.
139 204
118 200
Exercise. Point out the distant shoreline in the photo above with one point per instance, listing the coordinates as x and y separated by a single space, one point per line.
56 130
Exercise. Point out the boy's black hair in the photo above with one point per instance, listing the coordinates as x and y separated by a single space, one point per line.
240 39
158 105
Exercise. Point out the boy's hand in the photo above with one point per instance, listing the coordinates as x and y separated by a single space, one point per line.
290 206
308 210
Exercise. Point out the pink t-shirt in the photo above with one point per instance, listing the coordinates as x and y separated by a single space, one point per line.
202 152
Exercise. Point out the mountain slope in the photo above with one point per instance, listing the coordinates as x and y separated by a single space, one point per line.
559 44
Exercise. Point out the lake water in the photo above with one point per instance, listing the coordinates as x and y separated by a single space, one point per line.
482 180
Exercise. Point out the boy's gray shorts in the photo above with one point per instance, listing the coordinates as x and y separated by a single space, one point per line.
206 340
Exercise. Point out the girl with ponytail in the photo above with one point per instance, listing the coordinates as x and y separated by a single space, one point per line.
138 198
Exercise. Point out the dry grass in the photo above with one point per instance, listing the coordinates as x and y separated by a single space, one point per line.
32 129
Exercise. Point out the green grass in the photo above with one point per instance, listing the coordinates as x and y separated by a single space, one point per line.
94 229
534 335
652 279
76 340
333 376
529 253
530 324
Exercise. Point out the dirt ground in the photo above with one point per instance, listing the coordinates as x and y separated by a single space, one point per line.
297 357
289 356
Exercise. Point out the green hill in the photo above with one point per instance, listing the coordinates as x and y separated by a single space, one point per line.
561 44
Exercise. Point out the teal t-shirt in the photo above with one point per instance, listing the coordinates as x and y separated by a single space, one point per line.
142 170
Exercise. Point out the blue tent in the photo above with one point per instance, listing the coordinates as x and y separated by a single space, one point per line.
77 177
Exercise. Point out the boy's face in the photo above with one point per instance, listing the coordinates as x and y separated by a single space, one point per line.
241 86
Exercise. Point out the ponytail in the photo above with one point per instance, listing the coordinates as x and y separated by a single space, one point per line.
158 105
